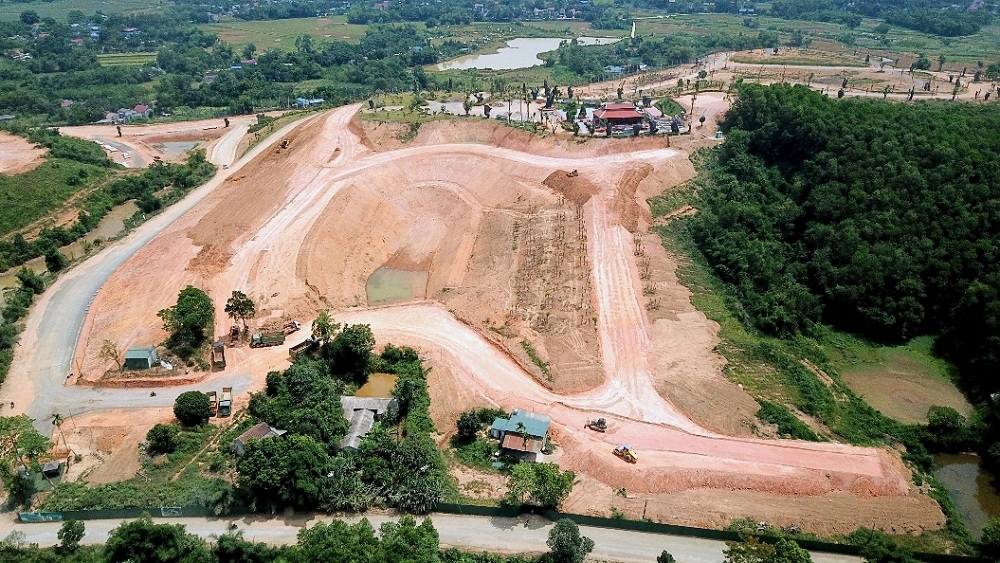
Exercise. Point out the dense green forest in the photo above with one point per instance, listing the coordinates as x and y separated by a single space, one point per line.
878 218
937 17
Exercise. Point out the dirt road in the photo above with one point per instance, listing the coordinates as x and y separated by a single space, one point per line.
43 362
473 533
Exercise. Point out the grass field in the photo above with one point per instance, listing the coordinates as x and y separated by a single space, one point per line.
126 59
281 34
59 9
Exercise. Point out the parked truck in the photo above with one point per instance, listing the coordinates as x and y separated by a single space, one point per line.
265 339
291 326
304 347
226 403
213 402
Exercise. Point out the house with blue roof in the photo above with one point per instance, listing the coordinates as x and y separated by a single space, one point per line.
522 435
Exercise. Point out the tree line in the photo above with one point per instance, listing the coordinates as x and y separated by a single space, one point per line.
877 218
936 17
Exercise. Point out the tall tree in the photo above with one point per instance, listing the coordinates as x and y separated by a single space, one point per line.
239 307
324 328
189 321
566 543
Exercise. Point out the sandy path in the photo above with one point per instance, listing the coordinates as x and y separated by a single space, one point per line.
17 155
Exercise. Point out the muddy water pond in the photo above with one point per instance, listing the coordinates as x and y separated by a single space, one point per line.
378 385
388 285
110 226
519 53
969 487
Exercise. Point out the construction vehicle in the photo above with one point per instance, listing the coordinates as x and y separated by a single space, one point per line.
304 347
265 339
284 143
234 335
599 425
226 403
218 355
291 326
213 402
625 452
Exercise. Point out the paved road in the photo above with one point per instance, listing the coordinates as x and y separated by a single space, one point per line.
476 533
54 325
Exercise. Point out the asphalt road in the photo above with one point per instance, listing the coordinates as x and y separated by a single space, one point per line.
54 325
473 533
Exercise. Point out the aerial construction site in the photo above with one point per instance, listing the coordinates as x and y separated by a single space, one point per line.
521 267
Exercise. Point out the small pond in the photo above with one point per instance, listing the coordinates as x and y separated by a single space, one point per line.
388 285
519 53
969 487
378 385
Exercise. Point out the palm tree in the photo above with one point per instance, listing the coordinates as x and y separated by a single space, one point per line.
57 421
523 431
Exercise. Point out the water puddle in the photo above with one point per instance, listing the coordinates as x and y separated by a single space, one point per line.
388 285
378 385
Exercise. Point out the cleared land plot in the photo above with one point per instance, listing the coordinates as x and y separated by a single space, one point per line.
281 34
795 57
18 155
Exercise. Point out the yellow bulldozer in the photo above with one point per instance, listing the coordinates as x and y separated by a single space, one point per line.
625 452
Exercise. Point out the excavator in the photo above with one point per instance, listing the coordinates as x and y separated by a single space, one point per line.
599 425
625 452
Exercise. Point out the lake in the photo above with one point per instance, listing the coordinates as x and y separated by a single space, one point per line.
519 53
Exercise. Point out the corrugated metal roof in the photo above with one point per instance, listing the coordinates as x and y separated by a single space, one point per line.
140 352
362 421
514 442
534 424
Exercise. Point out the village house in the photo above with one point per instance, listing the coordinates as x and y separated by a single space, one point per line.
522 435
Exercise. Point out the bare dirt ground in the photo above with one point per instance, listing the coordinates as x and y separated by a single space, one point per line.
17 155
524 240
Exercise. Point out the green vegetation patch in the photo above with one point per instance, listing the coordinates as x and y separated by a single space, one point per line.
126 59
30 196
282 34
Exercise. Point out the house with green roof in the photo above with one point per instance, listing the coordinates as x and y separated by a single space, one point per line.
522 435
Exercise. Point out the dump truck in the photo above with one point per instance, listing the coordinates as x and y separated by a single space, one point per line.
234 335
599 425
291 326
213 402
265 339
226 403
625 452
304 347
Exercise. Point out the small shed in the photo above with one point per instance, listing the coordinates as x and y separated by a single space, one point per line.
522 435
260 431
141 357
52 469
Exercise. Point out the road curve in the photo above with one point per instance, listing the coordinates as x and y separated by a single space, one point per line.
36 384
